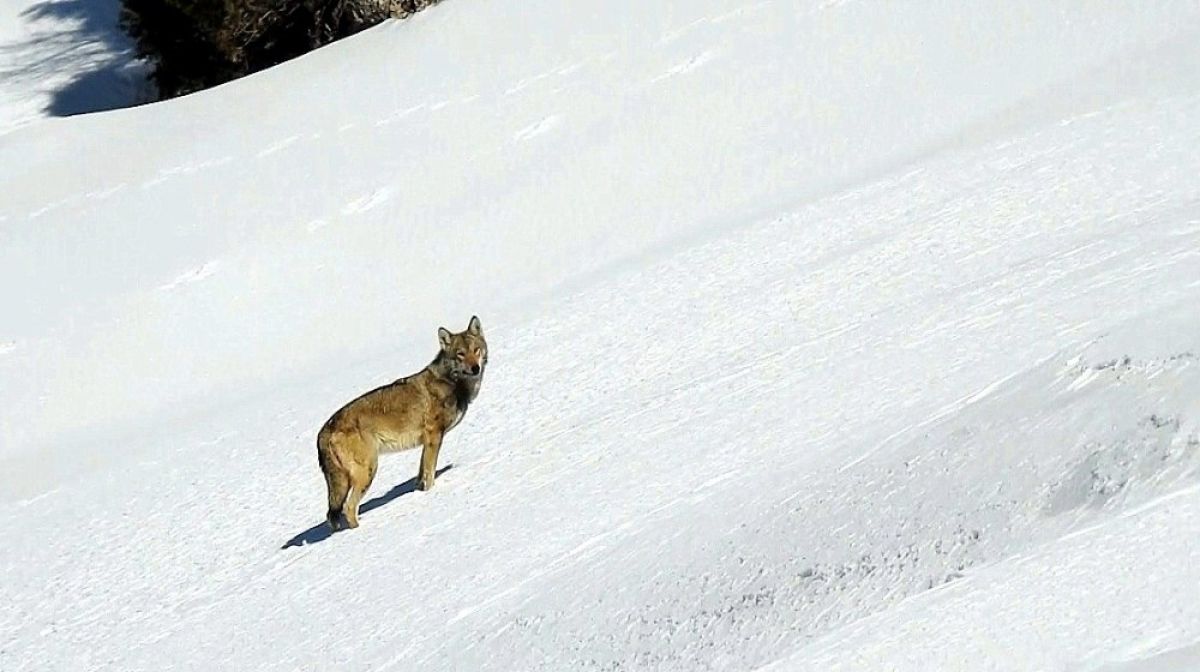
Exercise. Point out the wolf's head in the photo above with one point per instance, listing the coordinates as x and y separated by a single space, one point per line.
465 353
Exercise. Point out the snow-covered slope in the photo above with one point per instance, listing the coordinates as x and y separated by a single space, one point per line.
824 336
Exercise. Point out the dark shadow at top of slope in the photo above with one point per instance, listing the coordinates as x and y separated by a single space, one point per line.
321 532
90 42
107 88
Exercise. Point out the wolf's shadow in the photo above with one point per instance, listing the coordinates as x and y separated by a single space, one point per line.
321 532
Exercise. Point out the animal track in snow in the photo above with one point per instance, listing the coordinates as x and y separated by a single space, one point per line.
277 146
195 275
42 210
367 201
100 194
537 129
189 168
185 169
54 206
686 66
676 33
558 71
525 83
37 498
569 69
399 114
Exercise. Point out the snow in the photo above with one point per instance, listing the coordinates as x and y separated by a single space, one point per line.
823 336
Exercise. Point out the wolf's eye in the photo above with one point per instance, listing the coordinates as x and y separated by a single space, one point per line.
461 355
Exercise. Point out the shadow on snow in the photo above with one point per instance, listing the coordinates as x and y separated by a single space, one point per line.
321 532
86 33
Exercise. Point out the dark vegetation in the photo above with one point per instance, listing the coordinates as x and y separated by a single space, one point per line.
195 44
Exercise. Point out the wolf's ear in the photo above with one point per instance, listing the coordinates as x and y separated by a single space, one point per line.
444 337
474 327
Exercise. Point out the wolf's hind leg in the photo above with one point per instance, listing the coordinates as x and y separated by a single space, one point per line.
350 508
338 483
360 479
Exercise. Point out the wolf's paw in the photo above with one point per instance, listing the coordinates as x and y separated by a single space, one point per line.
424 485
335 521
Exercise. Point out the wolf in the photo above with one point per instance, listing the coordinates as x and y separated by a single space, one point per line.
413 411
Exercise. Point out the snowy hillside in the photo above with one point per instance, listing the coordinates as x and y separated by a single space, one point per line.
824 336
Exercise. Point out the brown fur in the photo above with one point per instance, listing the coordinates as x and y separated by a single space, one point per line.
414 411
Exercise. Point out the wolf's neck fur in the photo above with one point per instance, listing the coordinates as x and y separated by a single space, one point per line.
466 388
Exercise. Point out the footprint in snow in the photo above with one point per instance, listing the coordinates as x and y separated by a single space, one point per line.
686 66
42 210
537 129
185 169
569 69
367 201
277 146
672 35
526 83
101 194
399 114
195 275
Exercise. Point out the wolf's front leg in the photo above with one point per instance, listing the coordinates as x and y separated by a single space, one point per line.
429 457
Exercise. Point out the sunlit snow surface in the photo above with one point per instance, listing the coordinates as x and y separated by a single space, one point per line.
824 336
